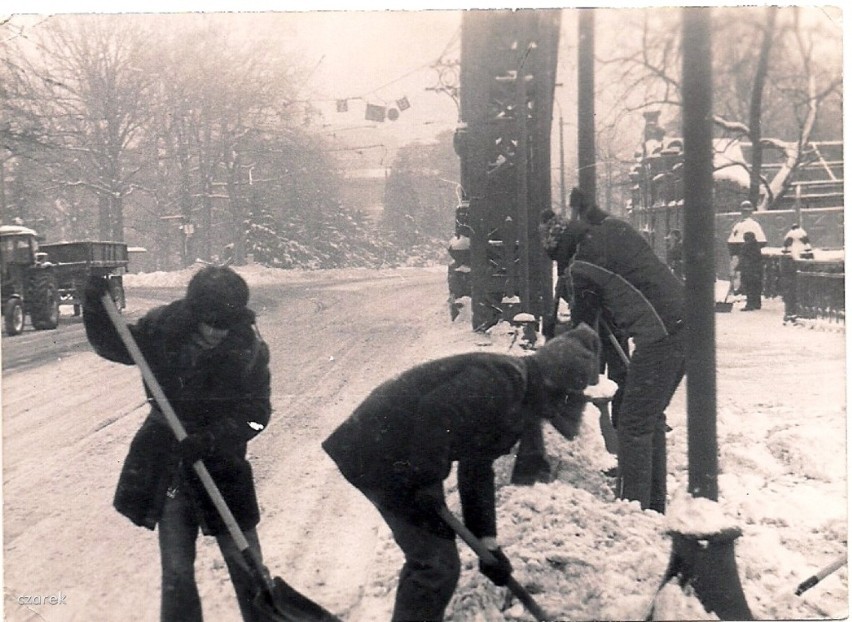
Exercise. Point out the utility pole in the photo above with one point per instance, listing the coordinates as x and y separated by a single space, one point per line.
702 557
586 157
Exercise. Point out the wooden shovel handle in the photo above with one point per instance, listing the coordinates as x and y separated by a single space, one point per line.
180 433
485 555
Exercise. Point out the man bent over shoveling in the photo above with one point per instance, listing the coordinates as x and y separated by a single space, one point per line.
399 445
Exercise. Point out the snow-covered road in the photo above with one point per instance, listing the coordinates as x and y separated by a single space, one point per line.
333 337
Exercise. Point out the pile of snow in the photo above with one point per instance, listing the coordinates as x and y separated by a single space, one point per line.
584 555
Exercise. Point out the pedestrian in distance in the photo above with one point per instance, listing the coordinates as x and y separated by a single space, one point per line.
399 444
797 243
796 246
618 279
736 239
751 271
206 353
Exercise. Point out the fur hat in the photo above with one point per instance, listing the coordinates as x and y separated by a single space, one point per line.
570 362
218 296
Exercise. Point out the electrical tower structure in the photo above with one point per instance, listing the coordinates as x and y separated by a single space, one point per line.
506 89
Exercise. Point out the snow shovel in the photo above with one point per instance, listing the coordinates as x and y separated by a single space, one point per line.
275 601
485 555
725 306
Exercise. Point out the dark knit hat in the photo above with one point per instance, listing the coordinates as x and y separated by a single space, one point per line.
218 296
570 361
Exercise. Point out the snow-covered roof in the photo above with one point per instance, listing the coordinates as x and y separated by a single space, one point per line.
729 162
16 230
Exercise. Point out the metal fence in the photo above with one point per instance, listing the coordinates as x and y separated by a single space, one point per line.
820 290
811 288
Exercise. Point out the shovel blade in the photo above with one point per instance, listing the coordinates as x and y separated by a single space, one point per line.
284 604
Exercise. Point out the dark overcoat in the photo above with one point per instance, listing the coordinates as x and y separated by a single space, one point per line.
225 390
469 408
616 271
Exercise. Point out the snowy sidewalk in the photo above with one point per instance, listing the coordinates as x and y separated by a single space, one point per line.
782 480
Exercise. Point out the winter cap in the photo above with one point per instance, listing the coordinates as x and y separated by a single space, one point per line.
218 296
570 361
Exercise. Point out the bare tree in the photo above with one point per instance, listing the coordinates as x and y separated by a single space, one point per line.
87 82
771 80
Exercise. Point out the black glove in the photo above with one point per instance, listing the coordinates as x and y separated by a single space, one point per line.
96 287
196 446
429 499
500 571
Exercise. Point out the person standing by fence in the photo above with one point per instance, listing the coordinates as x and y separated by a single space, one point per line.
736 239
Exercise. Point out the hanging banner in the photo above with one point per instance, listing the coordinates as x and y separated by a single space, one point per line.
342 105
403 104
375 113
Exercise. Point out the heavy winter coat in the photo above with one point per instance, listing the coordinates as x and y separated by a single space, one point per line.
469 408
224 390
615 271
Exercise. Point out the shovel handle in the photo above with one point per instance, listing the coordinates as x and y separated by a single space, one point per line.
614 341
485 555
180 433
811 581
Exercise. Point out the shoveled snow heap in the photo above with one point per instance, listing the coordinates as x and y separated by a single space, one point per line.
585 555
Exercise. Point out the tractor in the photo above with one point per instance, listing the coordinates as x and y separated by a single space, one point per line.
29 281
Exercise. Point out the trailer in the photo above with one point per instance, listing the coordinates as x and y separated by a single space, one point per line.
75 262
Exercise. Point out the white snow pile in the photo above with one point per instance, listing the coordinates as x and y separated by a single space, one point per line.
584 555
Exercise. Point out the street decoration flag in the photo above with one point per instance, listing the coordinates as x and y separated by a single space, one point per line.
403 104
375 113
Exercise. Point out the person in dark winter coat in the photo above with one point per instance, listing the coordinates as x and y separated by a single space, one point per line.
735 244
617 277
751 271
399 445
206 353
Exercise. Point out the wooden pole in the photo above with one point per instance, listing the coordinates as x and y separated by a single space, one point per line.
705 561
699 254
586 157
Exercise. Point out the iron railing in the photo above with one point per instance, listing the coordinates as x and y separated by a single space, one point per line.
814 288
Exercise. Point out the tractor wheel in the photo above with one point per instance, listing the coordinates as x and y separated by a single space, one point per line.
44 311
13 317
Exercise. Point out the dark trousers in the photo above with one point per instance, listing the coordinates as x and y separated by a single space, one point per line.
787 278
753 289
431 570
178 532
653 376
